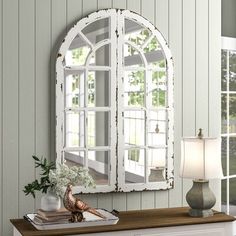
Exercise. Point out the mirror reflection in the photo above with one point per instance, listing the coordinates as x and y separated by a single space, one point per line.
114 115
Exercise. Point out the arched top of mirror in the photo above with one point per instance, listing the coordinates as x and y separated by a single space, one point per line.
114 72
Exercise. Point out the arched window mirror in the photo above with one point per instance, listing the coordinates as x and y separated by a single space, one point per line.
114 102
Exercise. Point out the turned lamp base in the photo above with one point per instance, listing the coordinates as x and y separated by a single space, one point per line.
201 199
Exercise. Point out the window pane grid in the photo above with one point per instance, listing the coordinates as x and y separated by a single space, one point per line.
228 131
147 108
79 59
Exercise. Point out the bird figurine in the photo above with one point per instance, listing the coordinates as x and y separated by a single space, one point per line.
76 206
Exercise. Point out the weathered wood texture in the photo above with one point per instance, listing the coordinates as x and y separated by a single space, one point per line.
130 220
30 32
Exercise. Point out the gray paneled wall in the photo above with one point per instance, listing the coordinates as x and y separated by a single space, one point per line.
30 33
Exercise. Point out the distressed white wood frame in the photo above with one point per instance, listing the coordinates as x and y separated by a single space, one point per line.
116 68
168 183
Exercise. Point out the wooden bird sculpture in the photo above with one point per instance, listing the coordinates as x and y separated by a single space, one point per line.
76 206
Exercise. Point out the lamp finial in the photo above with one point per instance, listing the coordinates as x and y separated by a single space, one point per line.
200 134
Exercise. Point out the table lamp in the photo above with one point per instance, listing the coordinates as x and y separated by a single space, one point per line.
200 161
157 164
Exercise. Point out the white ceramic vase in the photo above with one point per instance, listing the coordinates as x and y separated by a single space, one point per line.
50 202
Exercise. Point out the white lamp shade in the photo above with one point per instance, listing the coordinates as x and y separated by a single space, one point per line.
200 158
157 158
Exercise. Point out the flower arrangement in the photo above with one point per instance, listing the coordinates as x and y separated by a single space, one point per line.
64 175
56 179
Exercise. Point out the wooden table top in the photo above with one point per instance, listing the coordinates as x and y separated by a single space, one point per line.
130 220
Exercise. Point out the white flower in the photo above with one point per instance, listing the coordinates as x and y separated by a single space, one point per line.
64 175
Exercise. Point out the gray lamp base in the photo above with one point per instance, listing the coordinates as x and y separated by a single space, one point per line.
201 199
200 213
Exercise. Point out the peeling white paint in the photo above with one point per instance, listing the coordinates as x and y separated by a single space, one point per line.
116 41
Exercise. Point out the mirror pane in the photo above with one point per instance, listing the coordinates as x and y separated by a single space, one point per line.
134 166
232 70
135 32
95 76
232 113
156 164
77 53
98 83
98 164
156 60
134 127
157 128
132 57
134 86
101 57
74 90
158 89
224 155
97 31
74 133
223 113
98 128
74 158
153 45
155 56
232 155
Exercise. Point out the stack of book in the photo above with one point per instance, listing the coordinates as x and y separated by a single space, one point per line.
52 217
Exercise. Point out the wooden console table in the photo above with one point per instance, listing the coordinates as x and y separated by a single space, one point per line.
156 222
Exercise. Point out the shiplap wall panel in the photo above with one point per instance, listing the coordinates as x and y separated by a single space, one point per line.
89 6
90 199
105 201
161 199
104 4
134 5
147 200
119 201
162 17
1 114
175 19
42 77
215 81
147 11
74 11
10 112
175 39
202 65
161 20
133 201
189 76
119 4
26 105
189 67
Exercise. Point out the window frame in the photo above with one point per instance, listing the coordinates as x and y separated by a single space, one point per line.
228 44
117 169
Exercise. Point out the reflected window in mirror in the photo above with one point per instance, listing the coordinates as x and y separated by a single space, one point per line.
114 102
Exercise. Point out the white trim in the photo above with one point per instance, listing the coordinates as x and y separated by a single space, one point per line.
228 43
